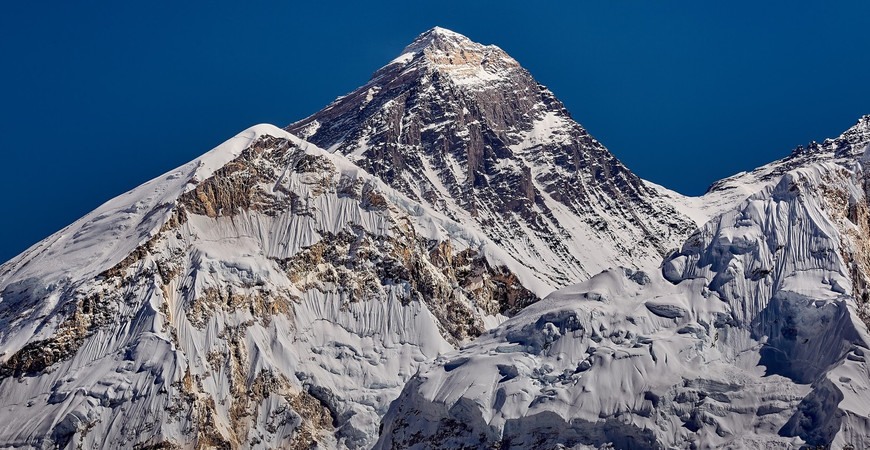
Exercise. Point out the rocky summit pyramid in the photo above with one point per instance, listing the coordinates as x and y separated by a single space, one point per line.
463 128
372 276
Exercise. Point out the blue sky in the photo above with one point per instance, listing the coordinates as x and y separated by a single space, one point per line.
98 98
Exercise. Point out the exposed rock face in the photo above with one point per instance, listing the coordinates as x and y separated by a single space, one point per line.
463 128
87 314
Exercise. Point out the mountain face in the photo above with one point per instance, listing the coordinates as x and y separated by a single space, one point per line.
752 335
464 129
372 277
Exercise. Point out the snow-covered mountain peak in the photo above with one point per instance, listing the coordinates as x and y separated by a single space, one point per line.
107 235
856 138
850 143
464 129
267 294
725 194
280 292
846 147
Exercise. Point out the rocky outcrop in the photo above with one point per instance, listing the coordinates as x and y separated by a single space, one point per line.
456 287
88 314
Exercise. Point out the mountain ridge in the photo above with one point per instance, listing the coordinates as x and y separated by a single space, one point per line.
281 292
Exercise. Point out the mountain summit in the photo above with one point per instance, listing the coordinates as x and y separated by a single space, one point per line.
463 128
456 56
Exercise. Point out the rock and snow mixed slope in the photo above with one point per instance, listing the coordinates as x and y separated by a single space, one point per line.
463 128
753 335
267 294
274 294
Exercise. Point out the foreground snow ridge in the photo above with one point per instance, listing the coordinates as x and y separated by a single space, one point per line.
748 337
373 276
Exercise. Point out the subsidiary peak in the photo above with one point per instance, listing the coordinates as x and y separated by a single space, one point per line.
848 146
861 128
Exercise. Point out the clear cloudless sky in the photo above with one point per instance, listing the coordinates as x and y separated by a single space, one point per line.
98 97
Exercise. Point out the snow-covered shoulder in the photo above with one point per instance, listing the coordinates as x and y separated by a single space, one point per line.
108 234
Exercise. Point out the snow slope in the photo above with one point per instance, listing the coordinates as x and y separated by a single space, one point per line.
753 335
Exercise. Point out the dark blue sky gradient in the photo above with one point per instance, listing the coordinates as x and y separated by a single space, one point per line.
97 99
